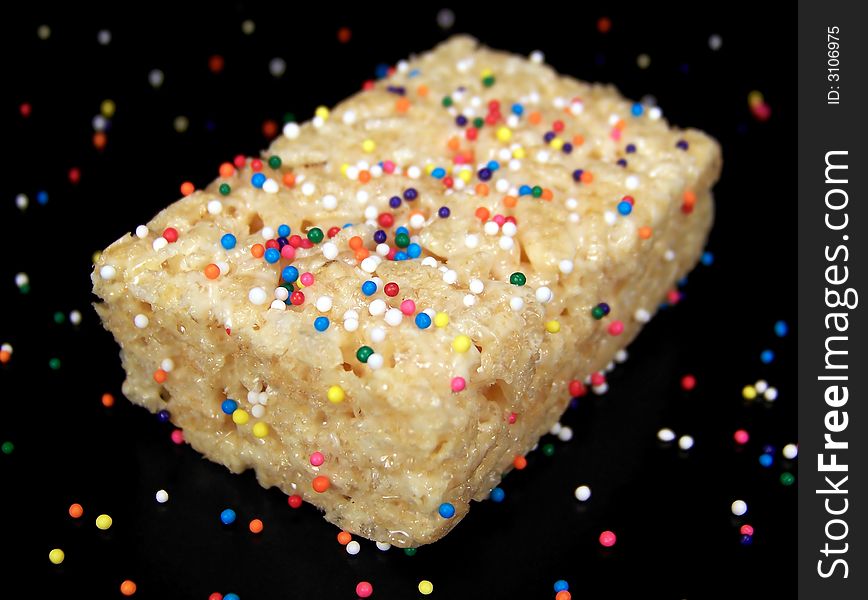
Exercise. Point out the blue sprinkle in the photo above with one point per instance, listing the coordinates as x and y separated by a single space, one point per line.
767 356
423 321
402 230
525 190
781 328
42 197
517 109
438 173
369 288
381 70
497 495
289 274
637 109
414 73
561 585
163 416
321 323
625 208
228 241
227 516
272 255
284 230
766 460
493 165
401 256
258 180
414 250
231 596
446 510
707 258
345 225
229 406
746 540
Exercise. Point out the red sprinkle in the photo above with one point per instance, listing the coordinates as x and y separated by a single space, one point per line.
391 289
171 234
294 501
688 382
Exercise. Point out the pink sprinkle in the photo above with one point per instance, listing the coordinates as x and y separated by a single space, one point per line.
512 418
287 252
408 307
458 384
608 539
761 111
178 436
364 589
316 459
616 328
616 134
688 382
746 529
673 296
741 436
598 379
306 279
388 166
499 219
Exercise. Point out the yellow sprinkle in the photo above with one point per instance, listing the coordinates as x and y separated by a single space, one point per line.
429 168
557 143
755 98
441 319
465 176
504 134
57 555
336 394
322 112
369 145
260 429
486 73
96 256
553 326
103 522
461 343
344 168
425 587
748 392
107 108
240 416
519 153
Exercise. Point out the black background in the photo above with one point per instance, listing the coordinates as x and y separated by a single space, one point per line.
676 535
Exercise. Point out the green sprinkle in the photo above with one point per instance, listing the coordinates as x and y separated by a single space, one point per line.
364 353
274 162
402 240
54 363
59 317
597 312
7 447
289 117
315 235
787 478
536 192
225 188
517 279
548 449
24 289
410 551
447 101
478 122
488 81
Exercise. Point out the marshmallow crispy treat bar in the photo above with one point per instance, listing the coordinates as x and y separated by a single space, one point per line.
385 311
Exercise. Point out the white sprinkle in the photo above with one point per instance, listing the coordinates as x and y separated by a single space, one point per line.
414 172
505 242
450 276
330 251
761 386
377 307
370 264
609 217
155 78
556 428
566 266
317 122
21 201
104 37
642 315
106 272
275 304
542 156
291 130
99 123
632 182
349 117
377 334
258 411
476 286
571 203
324 303
565 434
537 57
417 220
429 261
771 394
583 493
281 293
353 547
352 173
160 243
514 164
141 321
509 229
142 232
516 303
394 317
223 266
654 113
502 185
491 228
665 435
270 186
573 217
739 507
669 255
350 314
351 324
376 171
257 295
308 188
277 67
43 32
469 300
383 249
167 364
685 442
371 212
445 19
715 42
267 233
791 451
362 196
471 240
162 496
577 107
215 207
248 27
375 361
383 546
504 154
75 317
621 356
329 202
543 294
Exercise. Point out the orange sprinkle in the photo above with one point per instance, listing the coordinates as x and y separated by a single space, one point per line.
578 139
321 484
535 117
510 201
344 35
344 538
482 213
227 170
422 90
108 400
587 177
364 176
481 189
402 104
453 143
563 595
75 511
289 179
604 24
547 194
99 140
187 188
216 63
257 250
519 462
255 526
269 128
620 125
212 271
160 376
5 356
644 232
689 197
362 254
128 587
355 242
